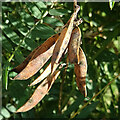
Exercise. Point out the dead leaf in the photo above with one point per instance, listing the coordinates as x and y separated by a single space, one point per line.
81 71
39 93
40 57
63 40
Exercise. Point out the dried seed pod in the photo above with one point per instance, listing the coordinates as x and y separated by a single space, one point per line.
63 40
20 67
73 47
81 71
40 57
43 75
39 93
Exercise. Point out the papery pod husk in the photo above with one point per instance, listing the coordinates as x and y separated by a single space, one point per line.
20 67
39 58
46 72
73 47
43 75
81 71
39 92
63 40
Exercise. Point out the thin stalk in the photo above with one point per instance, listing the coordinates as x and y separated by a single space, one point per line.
94 97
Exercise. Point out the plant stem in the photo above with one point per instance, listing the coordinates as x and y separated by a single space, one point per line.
93 97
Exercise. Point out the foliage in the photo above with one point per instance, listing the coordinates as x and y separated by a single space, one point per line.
27 25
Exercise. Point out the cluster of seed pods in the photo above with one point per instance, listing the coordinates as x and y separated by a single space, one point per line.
69 39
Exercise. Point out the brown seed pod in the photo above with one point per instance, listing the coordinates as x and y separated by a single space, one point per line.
81 71
63 40
39 93
20 67
73 47
39 58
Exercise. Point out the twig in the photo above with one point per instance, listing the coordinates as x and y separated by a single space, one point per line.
61 88
75 4
60 95
93 97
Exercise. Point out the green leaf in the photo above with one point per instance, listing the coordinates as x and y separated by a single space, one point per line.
40 20
111 4
27 18
49 3
58 12
41 5
5 74
5 113
74 106
34 10
31 43
87 110
11 108
6 44
29 114
52 21
13 36
6 8
19 56
107 56
1 117
19 25
41 31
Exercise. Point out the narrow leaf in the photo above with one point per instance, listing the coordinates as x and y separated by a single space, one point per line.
39 93
34 10
52 21
26 17
111 4
13 36
87 110
6 77
6 44
41 5
58 12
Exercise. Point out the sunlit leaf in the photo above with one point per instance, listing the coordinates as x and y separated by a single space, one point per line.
58 12
5 113
52 21
111 4
10 107
34 10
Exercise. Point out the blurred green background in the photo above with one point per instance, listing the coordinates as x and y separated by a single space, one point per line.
27 25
